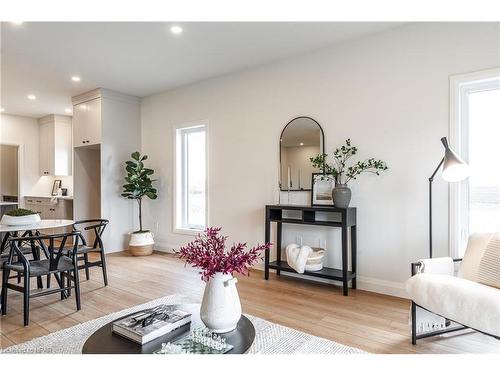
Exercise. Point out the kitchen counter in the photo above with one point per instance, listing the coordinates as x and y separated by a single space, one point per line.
2 203
65 197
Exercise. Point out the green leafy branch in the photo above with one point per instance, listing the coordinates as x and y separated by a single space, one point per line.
367 166
341 173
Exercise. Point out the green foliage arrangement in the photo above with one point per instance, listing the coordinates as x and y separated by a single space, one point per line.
20 212
138 182
339 170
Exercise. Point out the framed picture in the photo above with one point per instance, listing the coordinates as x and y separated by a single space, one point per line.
322 186
57 185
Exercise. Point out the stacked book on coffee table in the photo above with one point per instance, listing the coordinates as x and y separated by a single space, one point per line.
148 325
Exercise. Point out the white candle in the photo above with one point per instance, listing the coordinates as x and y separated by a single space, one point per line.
299 178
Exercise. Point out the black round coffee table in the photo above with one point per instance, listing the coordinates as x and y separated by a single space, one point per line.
104 341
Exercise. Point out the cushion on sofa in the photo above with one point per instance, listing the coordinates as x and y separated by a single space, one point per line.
463 301
469 267
489 266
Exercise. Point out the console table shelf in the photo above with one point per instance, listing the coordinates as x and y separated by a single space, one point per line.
343 218
325 272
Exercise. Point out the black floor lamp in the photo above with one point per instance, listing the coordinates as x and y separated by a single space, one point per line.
454 170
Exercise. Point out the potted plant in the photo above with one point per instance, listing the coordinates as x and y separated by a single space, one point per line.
20 216
342 173
220 308
139 185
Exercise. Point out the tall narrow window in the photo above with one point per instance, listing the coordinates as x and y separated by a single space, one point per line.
475 129
191 167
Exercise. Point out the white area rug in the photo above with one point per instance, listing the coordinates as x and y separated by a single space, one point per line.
270 338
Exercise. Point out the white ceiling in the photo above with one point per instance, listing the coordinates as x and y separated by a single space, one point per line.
142 58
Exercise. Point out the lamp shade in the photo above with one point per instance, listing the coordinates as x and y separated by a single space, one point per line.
454 168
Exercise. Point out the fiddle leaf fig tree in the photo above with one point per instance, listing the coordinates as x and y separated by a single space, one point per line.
138 182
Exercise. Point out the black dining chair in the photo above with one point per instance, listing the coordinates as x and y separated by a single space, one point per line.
27 247
95 228
63 267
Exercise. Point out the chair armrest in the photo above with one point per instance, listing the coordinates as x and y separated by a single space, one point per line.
442 265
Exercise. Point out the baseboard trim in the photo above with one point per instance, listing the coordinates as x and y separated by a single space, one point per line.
390 288
165 247
369 284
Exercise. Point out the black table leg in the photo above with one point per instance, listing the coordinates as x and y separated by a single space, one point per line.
266 253
344 260
353 255
278 245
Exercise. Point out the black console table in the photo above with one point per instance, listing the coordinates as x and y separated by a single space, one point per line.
343 218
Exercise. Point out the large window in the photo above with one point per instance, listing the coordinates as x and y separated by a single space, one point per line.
191 185
475 131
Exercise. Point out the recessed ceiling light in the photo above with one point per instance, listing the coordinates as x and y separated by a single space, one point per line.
17 22
2 110
176 29
301 143
67 110
31 97
75 79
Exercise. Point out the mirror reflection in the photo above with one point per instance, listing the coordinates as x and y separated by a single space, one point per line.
301 139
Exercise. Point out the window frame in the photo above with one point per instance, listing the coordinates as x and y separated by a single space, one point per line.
460 86
177 187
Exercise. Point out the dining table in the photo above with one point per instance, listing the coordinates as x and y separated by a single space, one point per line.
29 229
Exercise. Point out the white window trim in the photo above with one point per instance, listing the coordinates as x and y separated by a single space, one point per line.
175 229
460 85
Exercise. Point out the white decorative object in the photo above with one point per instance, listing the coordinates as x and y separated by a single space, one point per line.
315 259
20 220
141 243
221 308
296 256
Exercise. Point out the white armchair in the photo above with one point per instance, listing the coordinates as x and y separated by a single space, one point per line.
434 287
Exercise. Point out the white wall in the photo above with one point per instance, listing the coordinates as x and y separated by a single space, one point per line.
121 135
387 92
9 170
25 132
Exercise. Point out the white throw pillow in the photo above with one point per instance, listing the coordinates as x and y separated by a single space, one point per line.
469 267
489 267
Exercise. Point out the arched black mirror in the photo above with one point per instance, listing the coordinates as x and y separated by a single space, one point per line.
301 139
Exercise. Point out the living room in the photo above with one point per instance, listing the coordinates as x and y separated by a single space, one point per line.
351 165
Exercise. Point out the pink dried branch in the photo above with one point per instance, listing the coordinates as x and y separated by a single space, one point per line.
208 252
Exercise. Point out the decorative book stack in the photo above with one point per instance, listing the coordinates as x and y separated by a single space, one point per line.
148 325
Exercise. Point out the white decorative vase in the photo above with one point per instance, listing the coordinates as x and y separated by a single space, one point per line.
141 243
20 220
221 308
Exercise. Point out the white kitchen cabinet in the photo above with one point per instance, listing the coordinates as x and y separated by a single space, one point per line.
87 123
55 146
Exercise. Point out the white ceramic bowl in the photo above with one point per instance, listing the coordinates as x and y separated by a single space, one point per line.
20 220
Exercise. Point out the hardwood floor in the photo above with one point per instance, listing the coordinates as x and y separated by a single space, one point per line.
369 321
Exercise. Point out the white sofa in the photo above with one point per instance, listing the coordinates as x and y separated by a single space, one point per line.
458 298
